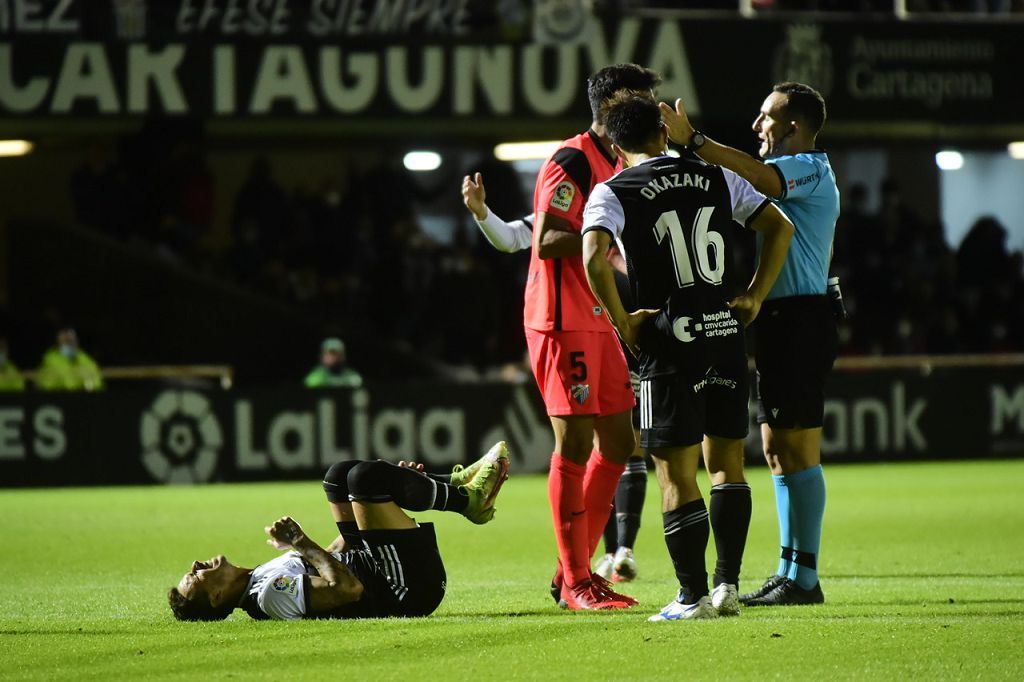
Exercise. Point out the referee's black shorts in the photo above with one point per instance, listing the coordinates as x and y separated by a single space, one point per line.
795 345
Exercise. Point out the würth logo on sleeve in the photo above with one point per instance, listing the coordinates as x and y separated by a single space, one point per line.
800 182
580 392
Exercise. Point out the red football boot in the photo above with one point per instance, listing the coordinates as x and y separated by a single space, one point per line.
586 596
605 588
556 586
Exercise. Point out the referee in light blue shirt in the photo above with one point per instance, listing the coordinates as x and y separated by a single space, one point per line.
796 337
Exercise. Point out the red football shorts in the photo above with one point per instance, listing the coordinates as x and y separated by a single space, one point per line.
580 372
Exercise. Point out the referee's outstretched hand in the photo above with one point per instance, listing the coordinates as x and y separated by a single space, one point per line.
677 122
747 307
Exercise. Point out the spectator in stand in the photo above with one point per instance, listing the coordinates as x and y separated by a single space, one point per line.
261 211
184 198
987 277
98 189
66 367
10 378
333 370
983 260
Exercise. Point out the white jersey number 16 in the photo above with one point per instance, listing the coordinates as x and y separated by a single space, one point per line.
707 244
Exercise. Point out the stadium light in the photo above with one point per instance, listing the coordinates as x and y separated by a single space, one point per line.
1016 150
15 147
949 160
525 151
422 161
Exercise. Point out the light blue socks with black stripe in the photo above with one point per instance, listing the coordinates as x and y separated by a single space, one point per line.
800 504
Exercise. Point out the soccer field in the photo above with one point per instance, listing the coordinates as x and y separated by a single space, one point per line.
922 568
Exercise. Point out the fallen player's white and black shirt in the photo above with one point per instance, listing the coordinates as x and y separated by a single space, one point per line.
401 572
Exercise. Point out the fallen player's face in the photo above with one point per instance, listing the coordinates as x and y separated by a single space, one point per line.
202 576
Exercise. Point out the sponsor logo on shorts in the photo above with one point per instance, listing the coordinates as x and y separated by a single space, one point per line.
563 196
580 392
286 584
714 380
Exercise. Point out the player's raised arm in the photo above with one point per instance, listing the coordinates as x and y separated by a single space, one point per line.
335 586
474 195
765 178
507 237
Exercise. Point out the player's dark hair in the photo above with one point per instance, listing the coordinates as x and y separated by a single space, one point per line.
197 608
631 121
609 80
803 102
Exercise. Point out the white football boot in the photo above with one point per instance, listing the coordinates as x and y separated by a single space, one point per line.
674 610
605 566
624 565
726 600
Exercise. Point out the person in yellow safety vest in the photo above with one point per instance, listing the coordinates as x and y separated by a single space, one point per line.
10 377
66 367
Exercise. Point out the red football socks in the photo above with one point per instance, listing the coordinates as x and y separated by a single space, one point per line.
569 515
599 485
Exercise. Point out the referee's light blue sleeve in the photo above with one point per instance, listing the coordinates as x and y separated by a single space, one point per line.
800 175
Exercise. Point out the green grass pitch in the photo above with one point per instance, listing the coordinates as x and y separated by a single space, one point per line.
922 567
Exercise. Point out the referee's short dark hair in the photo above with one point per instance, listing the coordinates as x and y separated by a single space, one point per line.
803 102
631 121
609 80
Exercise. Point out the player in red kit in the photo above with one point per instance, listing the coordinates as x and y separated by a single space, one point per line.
574 353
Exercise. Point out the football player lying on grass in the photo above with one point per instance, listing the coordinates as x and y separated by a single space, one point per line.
382 564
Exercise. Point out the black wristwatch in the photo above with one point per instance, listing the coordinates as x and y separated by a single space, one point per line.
697 141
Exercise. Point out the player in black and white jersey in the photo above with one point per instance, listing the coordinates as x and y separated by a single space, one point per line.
672 218
382 564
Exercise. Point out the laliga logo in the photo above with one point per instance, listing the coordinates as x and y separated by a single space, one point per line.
180 438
